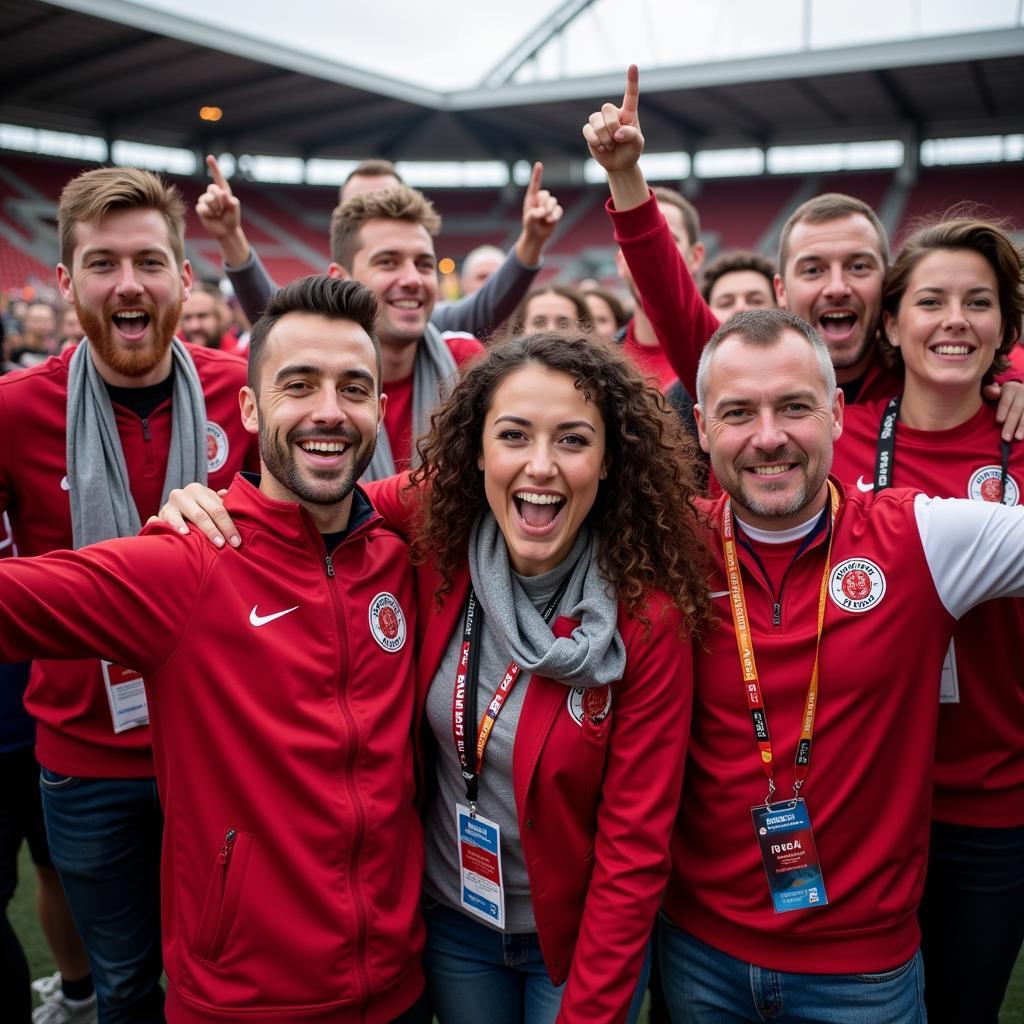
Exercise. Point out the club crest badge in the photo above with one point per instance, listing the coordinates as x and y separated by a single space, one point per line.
856 585
387 623
593 702
216 447
985 485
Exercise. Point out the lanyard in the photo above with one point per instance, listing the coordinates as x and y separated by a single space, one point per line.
745 645
885 454
464 696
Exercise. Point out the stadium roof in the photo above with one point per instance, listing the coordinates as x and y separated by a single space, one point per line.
122 70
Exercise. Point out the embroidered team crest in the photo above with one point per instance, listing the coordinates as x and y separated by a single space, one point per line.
216 447
593 702
856 585
387 622
985 482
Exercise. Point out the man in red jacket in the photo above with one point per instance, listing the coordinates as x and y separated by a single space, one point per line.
800 847
280 679
90 443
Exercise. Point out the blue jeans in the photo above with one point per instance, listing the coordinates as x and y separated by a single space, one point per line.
972 920
104 839
705 986
476 974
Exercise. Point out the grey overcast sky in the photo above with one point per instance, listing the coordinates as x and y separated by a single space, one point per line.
453 45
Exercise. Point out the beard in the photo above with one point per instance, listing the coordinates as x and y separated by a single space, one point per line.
732 480
137 360
318 487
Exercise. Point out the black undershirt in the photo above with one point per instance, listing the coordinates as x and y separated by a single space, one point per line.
851 389
142 401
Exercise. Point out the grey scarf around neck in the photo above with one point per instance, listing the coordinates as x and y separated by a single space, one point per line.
433 374
102 505
593 655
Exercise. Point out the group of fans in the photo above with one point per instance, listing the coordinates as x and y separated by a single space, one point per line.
486 735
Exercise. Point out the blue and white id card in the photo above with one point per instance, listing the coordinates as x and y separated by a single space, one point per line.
481 891
789 855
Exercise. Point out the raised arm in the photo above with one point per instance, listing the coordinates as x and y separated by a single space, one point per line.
677 312
485 310
220 212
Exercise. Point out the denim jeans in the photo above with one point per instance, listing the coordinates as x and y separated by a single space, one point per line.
706 986
104 837
972 920
475 974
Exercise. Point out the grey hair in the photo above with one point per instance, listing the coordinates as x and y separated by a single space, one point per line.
763 328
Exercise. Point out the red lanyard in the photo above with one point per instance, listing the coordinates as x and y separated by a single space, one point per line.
745 645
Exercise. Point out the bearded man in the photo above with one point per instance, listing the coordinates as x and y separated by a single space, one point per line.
91 442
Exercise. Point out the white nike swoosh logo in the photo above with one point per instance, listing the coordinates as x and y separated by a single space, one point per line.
262 620
861 486
718 593
64 485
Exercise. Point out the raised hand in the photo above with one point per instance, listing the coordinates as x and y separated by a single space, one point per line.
221 215
613 133
541 214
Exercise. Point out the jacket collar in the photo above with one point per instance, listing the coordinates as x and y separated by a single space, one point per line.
288 520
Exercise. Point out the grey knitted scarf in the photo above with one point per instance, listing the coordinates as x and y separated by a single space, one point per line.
99 489
433 374
593 655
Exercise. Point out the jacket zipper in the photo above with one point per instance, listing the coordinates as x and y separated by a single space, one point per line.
359 833
224 856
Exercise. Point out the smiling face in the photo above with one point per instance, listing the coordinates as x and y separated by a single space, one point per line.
543 457
549 311
738 290
949 324
833 279
769 426
201 320
128 290
396 260
317 413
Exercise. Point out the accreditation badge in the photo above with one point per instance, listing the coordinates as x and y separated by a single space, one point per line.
481 891
789 855
126 694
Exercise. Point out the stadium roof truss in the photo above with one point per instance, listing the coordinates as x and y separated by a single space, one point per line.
118 70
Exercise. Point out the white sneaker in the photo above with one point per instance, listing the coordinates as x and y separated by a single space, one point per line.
61 1010
48 987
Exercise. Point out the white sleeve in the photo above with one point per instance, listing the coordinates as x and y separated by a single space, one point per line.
974 549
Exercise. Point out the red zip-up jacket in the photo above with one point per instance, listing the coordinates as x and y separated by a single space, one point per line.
904 568
280 685
595 800
74 733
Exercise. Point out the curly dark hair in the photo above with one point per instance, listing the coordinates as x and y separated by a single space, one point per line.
649 533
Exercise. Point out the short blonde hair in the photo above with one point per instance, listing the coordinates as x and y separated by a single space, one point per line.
94 194
397 203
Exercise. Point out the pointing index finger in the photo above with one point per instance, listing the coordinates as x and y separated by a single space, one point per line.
215 172
534 184
631 97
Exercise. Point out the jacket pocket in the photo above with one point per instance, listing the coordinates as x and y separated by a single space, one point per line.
222 895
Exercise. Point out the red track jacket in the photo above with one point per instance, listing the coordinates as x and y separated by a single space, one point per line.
280 689
74 734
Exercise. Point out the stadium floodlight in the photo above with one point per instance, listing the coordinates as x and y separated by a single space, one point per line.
49 143
153 158
728 163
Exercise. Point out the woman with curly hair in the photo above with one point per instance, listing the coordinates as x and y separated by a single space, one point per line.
562 571
952 306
